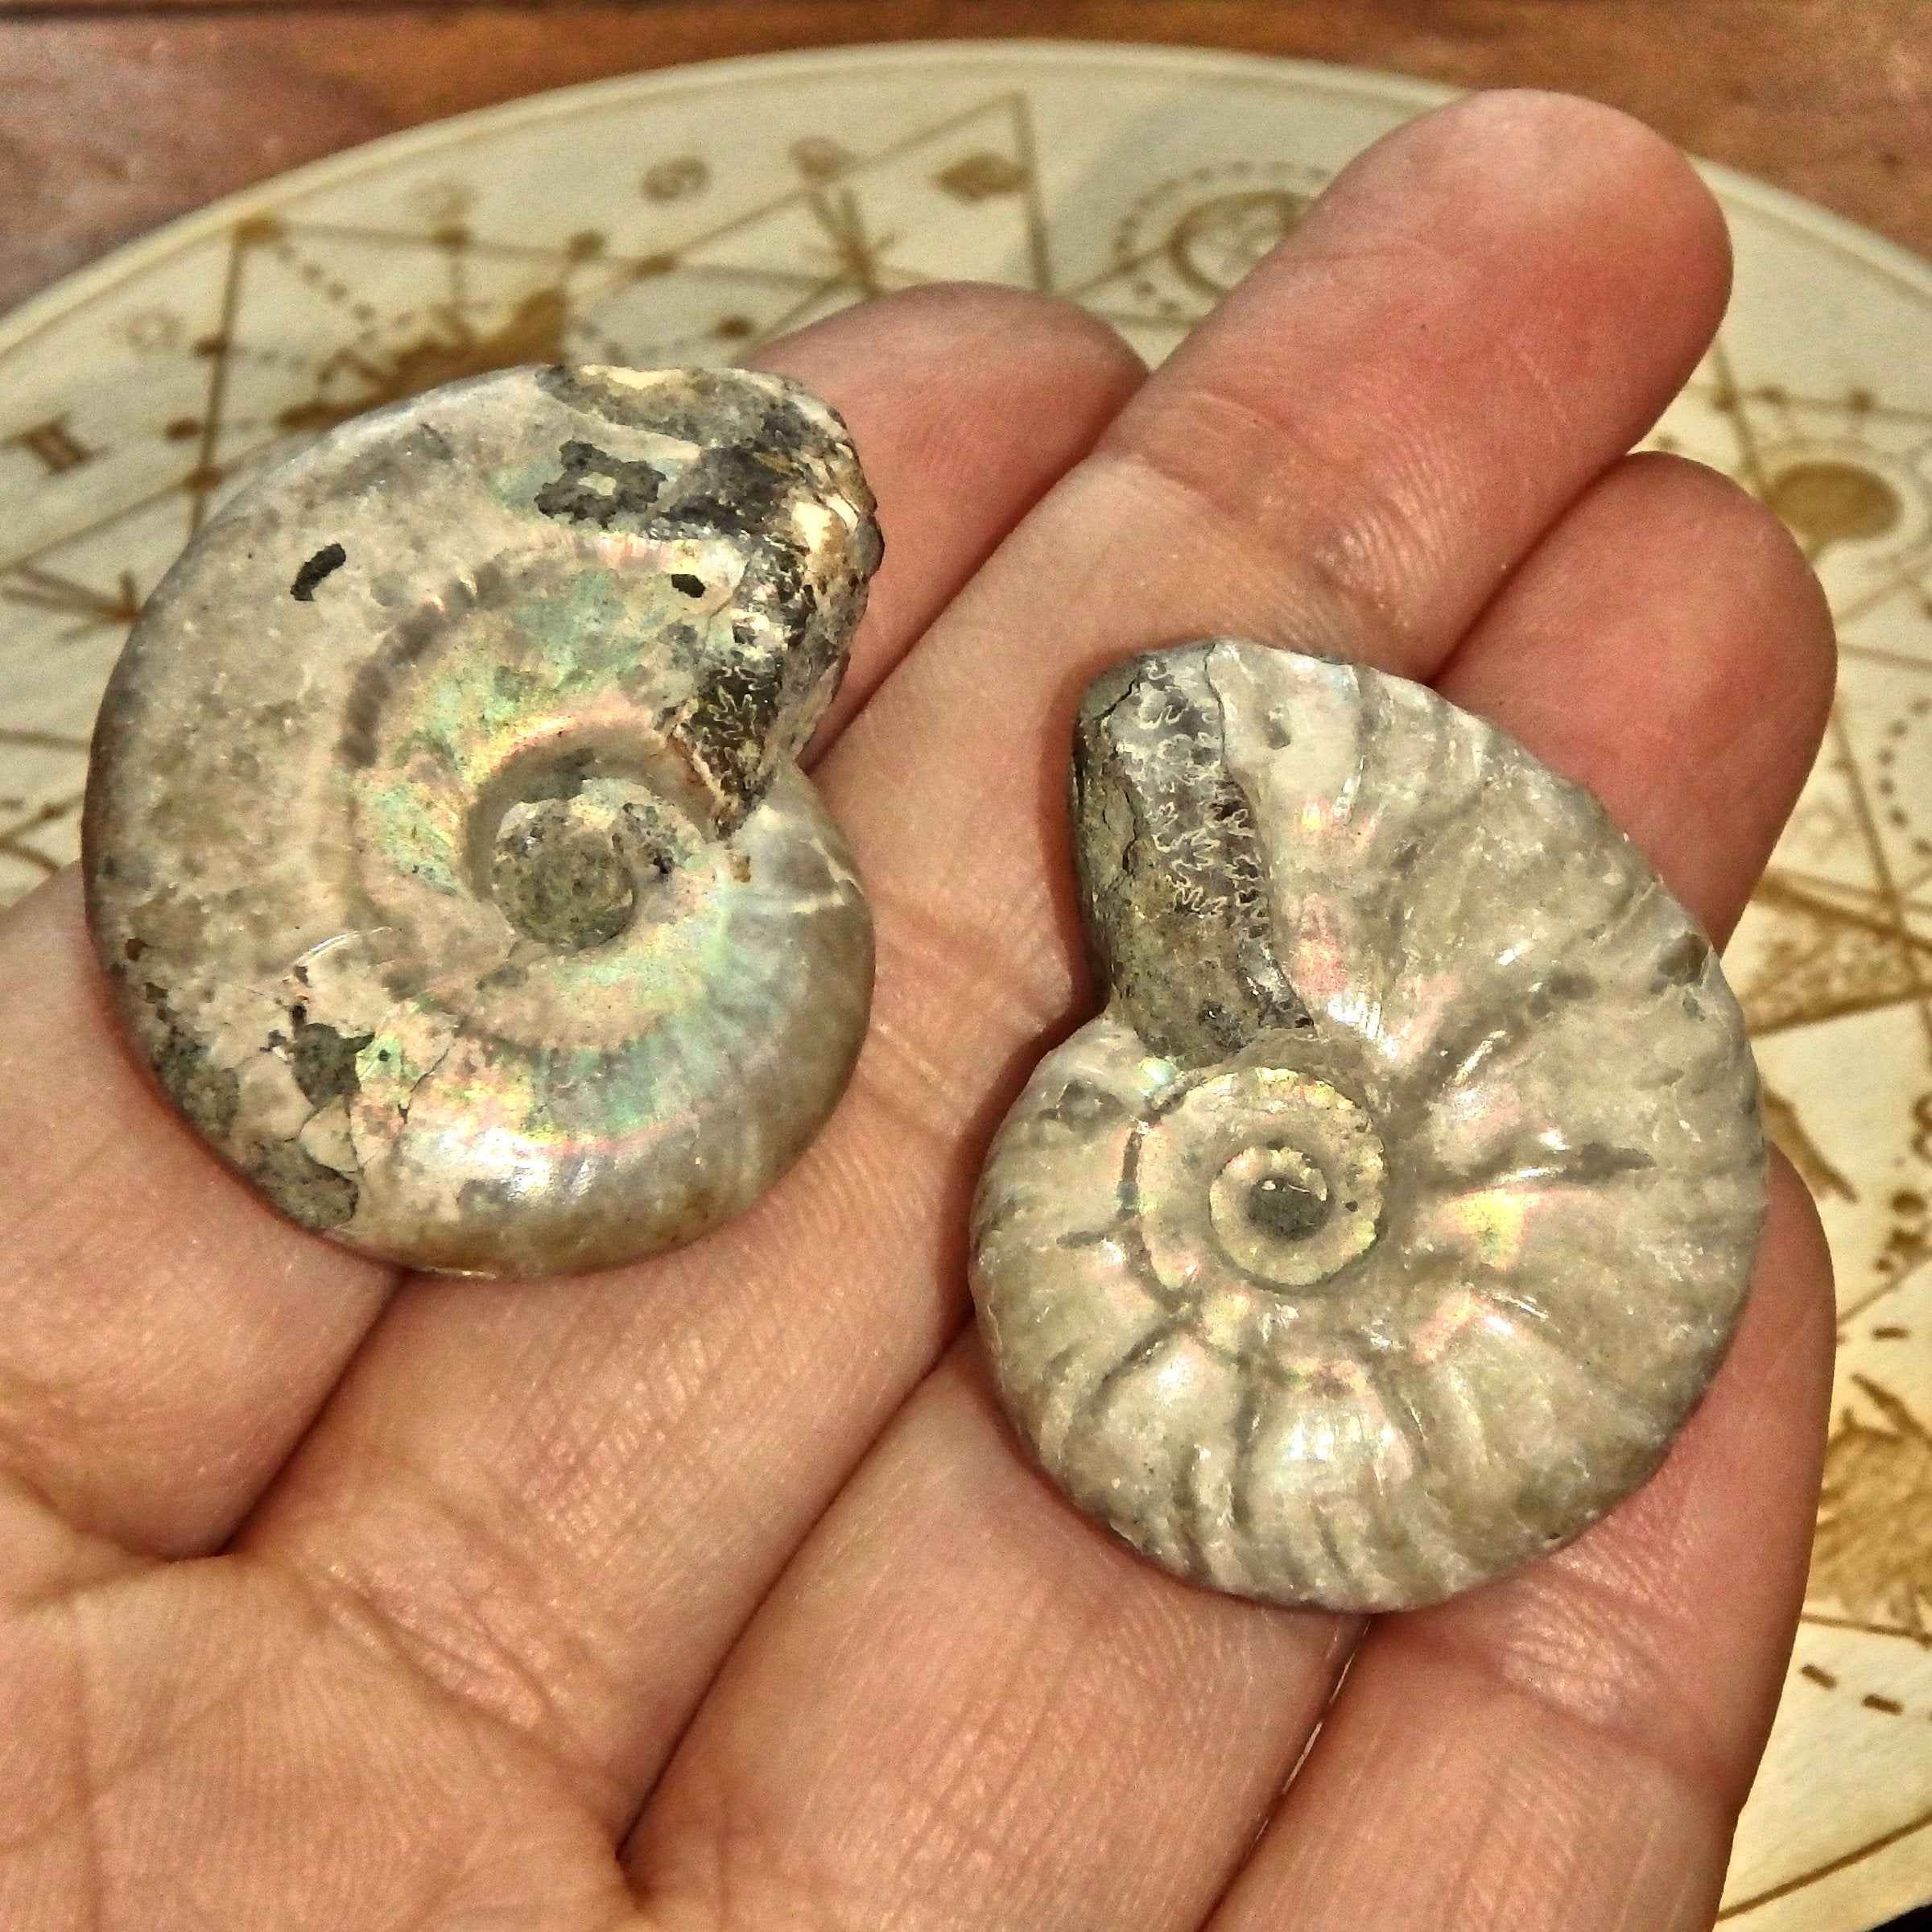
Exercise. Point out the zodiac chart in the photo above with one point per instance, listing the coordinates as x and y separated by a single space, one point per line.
693 216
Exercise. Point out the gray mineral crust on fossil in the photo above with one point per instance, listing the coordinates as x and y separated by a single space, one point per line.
1386 1226
445 842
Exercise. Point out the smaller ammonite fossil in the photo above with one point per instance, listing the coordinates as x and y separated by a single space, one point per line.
444 840
1384 1228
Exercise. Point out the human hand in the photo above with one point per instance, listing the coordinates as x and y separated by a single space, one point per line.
713 1594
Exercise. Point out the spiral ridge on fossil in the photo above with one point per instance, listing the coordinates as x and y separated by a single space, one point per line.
1385 1226
445 842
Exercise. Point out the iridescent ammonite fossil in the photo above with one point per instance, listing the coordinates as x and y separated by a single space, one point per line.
445 842
1384 1228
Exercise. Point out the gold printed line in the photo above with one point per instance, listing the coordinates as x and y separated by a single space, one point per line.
1891 1837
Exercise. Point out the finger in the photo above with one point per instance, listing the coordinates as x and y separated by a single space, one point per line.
1572 1745
1380 420
1604 617
164 1338
1690 699
966 401
644 1462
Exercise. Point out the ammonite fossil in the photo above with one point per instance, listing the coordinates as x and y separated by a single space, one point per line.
1385 1226
444 840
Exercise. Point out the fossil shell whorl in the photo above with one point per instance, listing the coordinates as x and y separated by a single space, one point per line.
444 840
1384 1228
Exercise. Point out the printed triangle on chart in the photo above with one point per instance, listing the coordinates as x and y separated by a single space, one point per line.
956 199
393 314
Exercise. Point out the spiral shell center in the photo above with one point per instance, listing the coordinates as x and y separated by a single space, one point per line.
1271 1171
570 870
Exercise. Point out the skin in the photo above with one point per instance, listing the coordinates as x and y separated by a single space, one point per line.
713 1594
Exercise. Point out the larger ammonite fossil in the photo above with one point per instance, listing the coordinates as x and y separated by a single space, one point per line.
1384 1228
444 839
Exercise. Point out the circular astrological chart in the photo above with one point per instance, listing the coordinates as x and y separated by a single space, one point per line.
691 215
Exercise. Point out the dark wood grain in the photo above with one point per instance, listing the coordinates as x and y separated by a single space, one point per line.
112 120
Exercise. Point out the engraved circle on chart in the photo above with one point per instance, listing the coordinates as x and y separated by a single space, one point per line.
1190 237
694 214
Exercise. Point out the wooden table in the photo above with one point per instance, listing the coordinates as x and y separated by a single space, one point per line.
114 118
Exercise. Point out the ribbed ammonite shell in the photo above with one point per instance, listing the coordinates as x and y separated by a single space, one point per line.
445 840
1385 1226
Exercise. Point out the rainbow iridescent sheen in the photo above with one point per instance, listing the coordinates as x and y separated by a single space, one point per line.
446 841
1405 1254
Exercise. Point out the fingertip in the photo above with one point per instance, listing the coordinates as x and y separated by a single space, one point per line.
1560 151
1612 212
957 338
1779 600
1667 644
1484 311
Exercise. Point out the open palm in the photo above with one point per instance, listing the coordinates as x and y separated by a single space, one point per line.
713 1593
